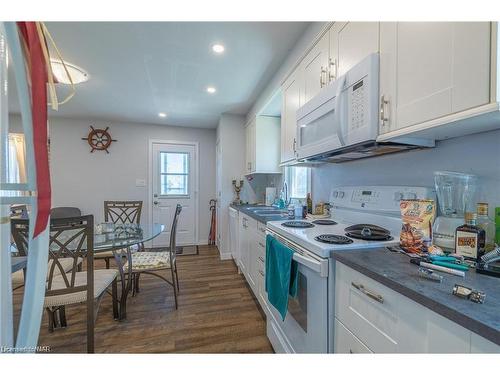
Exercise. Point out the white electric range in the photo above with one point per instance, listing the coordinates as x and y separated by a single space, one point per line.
362 217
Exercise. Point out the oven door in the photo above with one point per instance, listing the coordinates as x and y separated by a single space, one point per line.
305 328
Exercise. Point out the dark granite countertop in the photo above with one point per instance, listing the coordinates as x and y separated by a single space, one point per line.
245 208
395 271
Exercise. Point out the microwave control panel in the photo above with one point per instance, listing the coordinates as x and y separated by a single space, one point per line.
358 105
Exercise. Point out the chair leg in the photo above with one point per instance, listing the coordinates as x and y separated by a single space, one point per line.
173 284
62 316
137 282
106 260
90 325
177 279
123 299
50 315
114 296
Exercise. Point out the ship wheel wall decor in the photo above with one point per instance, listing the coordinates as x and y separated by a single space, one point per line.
99 139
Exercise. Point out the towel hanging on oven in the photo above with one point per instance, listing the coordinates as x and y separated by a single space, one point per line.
281 274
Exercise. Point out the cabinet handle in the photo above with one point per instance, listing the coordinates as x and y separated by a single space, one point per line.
294 146
333 63
321 81
263 230
261 244
383 117
262 273
261 259
369 293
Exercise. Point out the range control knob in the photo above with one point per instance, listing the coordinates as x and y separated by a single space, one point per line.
341 194
335 194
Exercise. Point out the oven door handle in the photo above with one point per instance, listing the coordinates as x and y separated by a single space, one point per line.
320 267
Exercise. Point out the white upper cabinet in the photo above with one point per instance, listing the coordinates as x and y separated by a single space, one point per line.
351 42
263 145
291 93
432 69
315 68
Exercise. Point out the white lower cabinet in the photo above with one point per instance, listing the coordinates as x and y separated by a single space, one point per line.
252 254
372 317
346 342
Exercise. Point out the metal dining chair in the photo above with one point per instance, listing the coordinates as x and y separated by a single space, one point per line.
72 238
62 212
152 262
120 212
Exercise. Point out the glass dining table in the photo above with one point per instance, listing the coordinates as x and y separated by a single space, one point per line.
123 240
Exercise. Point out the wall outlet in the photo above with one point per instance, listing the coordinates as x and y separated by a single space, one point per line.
140 182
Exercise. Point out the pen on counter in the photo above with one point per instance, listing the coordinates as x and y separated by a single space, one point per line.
438 268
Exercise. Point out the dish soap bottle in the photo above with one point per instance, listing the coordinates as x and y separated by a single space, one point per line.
484 222
470 239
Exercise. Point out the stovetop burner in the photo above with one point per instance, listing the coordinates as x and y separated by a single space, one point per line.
297 224
324 222
368 232
333 239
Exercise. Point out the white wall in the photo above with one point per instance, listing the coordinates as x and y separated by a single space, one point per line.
231 136
84 180
478 154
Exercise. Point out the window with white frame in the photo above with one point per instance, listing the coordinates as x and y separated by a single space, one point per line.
298 180
174 173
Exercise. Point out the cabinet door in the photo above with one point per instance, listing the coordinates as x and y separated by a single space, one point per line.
432 69
243 243
291 91
315 68
250 147
351 42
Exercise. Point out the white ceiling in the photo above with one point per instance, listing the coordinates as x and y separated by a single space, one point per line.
138 69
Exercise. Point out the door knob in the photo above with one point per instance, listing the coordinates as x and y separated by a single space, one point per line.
155 202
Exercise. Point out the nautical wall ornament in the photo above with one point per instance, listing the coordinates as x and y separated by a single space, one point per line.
99 139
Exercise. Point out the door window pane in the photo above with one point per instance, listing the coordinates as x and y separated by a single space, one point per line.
174 173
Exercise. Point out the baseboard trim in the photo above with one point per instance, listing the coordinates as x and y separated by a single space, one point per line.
225 256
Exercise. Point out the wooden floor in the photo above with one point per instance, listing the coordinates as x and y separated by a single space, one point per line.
217 314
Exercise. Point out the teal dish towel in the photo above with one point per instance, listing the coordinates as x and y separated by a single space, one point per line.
281 274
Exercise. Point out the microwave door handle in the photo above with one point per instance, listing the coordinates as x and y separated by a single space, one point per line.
338 99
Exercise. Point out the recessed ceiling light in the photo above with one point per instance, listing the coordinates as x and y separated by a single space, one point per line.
78 75
162 114
211 90
218 48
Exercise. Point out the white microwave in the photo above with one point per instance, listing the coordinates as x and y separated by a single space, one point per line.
341 122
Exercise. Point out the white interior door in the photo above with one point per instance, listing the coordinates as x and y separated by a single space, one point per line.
175 181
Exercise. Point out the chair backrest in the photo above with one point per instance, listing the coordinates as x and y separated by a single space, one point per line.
173 234
69 238
122 212
63 212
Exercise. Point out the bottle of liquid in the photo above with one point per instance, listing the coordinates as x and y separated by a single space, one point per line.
309 204
470 239
484 222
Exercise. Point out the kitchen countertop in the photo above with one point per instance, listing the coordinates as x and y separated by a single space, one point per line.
395 271
262 219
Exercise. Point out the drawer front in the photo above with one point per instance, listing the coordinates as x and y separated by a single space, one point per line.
261 229
261 249
367 308
346 343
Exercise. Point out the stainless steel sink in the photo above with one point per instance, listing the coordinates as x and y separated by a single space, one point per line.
269 212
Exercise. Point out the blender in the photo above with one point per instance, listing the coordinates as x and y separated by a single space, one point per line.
455 193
